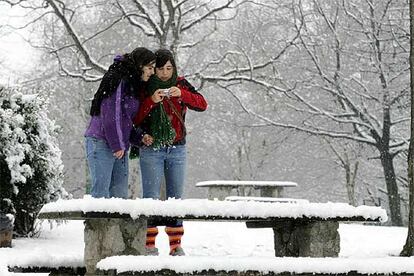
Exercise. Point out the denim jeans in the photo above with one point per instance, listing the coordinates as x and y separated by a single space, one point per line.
165 162
109 175
156 164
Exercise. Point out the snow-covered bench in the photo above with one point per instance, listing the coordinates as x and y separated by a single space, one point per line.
224 265
222 188
118 226
52 270
61 264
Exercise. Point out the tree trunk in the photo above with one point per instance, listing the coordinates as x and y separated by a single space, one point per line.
408 249
350 176
392 188
6 188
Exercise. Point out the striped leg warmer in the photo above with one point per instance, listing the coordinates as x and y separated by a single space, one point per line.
174 235
152 233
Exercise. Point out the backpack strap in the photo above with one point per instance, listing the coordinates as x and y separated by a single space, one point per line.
179 116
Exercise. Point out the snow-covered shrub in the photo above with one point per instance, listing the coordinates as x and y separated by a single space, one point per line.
31 169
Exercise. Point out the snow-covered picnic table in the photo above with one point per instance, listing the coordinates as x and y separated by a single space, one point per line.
224 265
220 189
118 226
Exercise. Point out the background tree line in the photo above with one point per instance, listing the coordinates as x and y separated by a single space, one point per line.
311 91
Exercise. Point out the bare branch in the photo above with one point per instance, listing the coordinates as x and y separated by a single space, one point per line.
206 15
79 45
309 129
13 3
85 76
130 17
157 29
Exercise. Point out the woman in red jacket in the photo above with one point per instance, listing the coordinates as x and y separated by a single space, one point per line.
163 155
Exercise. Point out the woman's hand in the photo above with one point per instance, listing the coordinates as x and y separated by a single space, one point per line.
119 154
175 91
158 95
147 140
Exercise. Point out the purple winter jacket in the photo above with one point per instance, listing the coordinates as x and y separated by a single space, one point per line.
114 123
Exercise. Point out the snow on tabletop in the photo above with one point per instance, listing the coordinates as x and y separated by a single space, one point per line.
190 264
204 207
246 183
50 260
266 199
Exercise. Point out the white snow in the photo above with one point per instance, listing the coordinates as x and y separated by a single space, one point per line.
26 132
54 246
263 264
246 183
366 248
10 217
204 207
266 199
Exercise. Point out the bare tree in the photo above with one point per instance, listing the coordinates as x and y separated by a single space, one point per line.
350 167
333 69
408 249
82 36
352 83
378 85
163 23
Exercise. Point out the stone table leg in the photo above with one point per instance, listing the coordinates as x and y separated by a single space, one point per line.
110 237
218 192
241 191
306 239
271 191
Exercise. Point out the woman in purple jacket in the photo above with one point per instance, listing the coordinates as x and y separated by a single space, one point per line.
109 132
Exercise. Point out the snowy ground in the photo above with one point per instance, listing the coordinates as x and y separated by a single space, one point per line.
208 239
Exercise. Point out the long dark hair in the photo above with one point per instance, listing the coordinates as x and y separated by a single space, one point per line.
127 67
138 58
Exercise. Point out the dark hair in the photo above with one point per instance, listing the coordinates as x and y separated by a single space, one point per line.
140 57
163 56
129 67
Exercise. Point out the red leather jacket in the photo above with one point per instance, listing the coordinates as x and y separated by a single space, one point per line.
190 98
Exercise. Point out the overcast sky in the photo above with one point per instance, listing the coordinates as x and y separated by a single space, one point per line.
17 57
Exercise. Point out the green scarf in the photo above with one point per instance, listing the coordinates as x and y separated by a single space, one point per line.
134 152
160 125
155 83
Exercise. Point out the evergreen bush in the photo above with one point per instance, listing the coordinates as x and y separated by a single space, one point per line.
31 168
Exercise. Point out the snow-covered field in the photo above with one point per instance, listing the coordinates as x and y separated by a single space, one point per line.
210 239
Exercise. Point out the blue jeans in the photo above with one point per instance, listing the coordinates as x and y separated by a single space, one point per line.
156 164
109 175
165 162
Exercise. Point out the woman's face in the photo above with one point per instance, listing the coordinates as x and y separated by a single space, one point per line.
165 72
148 71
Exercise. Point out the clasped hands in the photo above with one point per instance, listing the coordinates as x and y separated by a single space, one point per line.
146 140
159 94
157 97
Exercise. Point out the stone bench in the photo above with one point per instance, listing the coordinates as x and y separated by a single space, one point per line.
226 265
52 270
118 226
54 265
220 189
